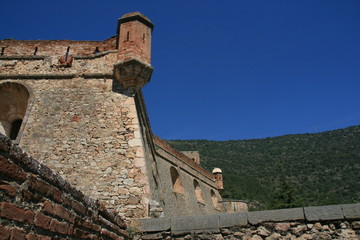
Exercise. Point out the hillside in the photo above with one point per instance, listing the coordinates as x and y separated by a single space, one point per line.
286 171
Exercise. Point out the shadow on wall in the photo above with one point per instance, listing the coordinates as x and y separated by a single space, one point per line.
14 103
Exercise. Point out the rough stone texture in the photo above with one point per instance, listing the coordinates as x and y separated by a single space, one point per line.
91 139
167 157
152 225
231 206
55 47
205 223
39 204
351 211
102 64
193 155
276 215
233 219
87 126
269 231
274 227
323 213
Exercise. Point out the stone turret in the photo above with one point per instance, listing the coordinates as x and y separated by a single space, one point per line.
218 178
133 69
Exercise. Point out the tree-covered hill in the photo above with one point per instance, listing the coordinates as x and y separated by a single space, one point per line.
287 171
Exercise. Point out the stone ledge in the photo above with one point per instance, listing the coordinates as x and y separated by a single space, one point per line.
233 219
37 76
213 223
22 57
276 215
93 56
351 211
331 212
154 224
204 223
55 76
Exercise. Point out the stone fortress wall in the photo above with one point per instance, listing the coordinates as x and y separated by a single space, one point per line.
77 107
196 194
81 112
36 203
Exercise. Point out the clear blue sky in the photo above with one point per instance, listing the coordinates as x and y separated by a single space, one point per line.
225 69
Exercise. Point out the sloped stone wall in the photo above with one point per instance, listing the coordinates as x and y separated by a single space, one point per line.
35 203
199 194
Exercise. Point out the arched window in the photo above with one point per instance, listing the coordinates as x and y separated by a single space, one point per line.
214 199
198 193
13 105
176 181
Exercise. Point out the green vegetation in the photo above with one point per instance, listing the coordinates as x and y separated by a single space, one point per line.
287 171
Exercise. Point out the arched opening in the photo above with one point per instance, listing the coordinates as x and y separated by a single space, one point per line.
198 193
13 105
214 200
176 181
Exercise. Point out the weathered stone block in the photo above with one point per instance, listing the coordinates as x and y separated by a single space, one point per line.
331 212
351 211
205 223
276 215
233 219
155 225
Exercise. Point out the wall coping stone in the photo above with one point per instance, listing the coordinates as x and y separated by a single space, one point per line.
351 211
331 212
213 223
153 224
191 224
233 219
276 215
22 57
95 55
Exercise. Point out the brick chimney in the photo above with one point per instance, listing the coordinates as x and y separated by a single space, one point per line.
133 69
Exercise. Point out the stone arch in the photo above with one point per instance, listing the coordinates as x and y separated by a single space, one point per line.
15 99
214 199
198 192
176 181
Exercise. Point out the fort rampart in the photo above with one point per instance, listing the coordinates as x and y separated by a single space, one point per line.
38 204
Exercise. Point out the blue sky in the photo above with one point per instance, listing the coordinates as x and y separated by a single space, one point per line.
225 69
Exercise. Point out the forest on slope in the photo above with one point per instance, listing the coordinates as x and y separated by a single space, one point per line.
286 171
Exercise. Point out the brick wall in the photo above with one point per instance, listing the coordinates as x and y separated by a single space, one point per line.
35 203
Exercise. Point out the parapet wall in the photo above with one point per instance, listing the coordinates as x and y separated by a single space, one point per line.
38 204
186 188
324 222
10 48
182 157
